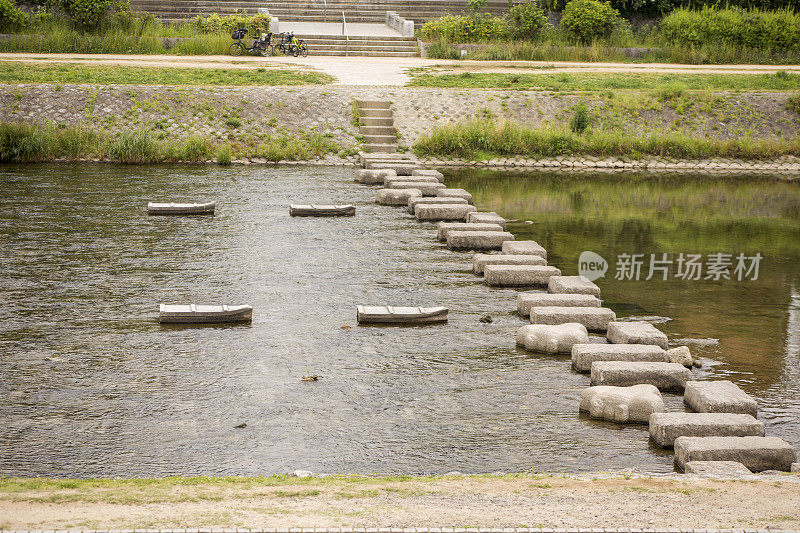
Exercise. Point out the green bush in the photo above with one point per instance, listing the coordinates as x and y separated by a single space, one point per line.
527 20
465 28
793 103
86 15
588 20
11 17
441 49
769 30
215 23
135 146
580 120
224 154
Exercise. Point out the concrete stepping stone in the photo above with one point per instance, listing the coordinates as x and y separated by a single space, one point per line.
435 200
717 469
573 285
428 172
755 453
681 355
524 248
719 397
455 193
426 188
397 197
594 318
388 181
435 212
669 377
490 218
636 333
527 300
479 261
551 339
477 240
583 355
519 276
666 427
402 169
443 229
374 177
634 404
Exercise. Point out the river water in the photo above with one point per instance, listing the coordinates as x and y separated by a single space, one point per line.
93 386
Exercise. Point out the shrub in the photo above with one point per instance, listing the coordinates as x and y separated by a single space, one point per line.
215 23
224 155
580 119
195 148
135 146
465 28
441 49
588 20
11 17
793 103
527 20
87 14
20 143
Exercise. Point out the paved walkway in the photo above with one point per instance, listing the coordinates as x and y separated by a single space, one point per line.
388 71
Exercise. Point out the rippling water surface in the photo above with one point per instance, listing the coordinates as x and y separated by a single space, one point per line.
92 385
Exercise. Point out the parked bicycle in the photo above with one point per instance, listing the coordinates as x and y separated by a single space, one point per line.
262 46
291 45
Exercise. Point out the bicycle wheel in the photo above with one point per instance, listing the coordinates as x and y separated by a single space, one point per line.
304 50
268 50
295 50
236 49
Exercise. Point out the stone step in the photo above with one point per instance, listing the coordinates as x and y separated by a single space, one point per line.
522 276
527 300
378 121
671 377
666 427
412 204
593 318
524 247
443 229
385 148
583 355
755 453
477 240
638 332
376 113
480 261
380 139
719 397
363 53
374 104
378 130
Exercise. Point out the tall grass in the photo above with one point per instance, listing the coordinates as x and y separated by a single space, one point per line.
508 138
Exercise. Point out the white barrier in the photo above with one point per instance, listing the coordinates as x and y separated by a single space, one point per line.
395 21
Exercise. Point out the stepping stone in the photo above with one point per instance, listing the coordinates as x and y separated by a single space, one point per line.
583 355
681 355
719 397
402 169
636 333
622 404
479 261
551 339
441 201
434 212
443 229
717 469
388 181
455 193
374 177
428 172
490 218
426 188
573 285
524 248
670 377
594 318
666 427
755 453
519 276
477 240
396 196
527 300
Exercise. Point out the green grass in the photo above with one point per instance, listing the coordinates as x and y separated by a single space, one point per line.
510 139
781 81
18 72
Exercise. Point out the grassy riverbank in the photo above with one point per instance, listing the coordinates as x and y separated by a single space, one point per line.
515 500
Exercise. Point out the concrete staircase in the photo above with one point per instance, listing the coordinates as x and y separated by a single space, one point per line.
373 46
377 126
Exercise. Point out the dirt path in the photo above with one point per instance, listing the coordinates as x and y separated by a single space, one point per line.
383 71
505 501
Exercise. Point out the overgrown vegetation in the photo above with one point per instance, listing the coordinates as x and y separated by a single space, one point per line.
484 135
23 143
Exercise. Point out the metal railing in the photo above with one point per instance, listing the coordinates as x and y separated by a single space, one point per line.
346 36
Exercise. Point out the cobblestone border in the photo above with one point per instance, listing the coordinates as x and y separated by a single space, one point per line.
410 530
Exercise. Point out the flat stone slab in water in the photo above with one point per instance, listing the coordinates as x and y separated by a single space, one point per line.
402 169
396 196
427 188
490 218
477 240
666 427
443 229
413 202
455 193
573 285
636 333
527 300
519 276
670 377
583 355
428 172
479 261
717 468
524 248
755 453
551 339
374 177
622 404
388 181
434 212
594 318
720 396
